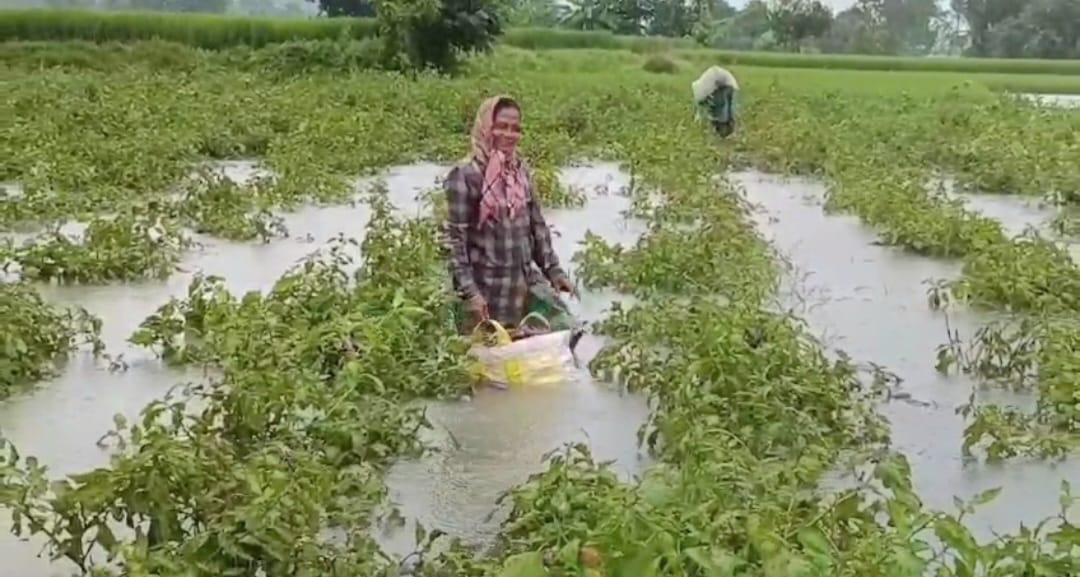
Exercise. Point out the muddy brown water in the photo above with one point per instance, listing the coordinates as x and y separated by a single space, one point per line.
870 301
501 436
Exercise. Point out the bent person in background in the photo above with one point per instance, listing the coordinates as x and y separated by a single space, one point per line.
714 95
502 262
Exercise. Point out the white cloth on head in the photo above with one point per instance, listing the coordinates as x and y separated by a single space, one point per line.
710 80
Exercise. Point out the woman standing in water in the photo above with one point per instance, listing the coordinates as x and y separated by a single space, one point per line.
498 242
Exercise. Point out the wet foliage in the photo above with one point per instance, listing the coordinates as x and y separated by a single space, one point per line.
887 165
37 337
272 464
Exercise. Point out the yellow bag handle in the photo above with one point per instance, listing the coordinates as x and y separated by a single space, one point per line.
535 315
502 337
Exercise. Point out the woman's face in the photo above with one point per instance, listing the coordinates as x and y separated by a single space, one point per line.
506 130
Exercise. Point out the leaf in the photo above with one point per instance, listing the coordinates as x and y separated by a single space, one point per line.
569 552
713 562
524 565
641 564
986 496
656 490
956 536
904 563
815 541
419 534
106 539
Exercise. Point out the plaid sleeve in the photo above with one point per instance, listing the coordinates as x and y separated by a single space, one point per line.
456 231
542 251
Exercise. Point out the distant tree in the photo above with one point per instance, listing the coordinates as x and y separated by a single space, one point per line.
356 8
793 21
432 33
853 30
673 18
742 30
908 24
1043 29
537 13
589 15
632 16
950 36
892 26
982 16
713 9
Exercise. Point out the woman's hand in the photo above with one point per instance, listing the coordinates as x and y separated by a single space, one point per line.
478 308
562 284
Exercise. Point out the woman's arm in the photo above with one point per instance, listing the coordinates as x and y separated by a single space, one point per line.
458 220
542 251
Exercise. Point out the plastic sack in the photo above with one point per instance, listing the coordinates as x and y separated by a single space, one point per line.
540 360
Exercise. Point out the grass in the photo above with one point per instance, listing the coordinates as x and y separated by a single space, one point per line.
208 31
218 32
883 81
865 62
330 55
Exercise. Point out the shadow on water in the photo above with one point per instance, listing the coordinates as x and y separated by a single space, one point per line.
494 441
870 301
501 436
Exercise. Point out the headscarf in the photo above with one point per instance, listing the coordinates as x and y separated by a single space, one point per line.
505 184
712 80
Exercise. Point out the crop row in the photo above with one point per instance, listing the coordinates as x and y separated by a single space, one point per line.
216 32
883 166
245 472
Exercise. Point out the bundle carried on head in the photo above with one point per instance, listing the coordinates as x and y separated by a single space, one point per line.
710 80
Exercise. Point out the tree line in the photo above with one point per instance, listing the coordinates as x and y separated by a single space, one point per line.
987 28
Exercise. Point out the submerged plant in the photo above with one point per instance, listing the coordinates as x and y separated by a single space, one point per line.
37 336
126 247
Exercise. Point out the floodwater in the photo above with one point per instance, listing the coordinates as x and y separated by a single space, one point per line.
1017 214
497 439
866 299
871 302
500 436
1055 100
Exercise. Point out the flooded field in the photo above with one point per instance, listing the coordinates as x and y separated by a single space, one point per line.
1020 214
498 438
870 301
300 453
866 300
